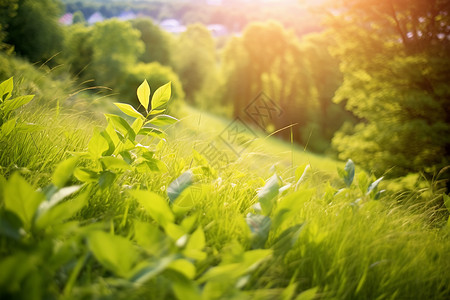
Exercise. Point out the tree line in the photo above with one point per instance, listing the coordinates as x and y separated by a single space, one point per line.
373 84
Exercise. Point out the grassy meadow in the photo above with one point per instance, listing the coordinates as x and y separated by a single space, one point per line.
214 150
89 215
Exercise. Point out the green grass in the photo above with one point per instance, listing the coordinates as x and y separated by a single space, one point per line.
313 239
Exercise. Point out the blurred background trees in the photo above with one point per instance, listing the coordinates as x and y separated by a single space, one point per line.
373 80
396 67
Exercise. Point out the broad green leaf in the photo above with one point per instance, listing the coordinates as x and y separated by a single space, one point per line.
150 131
61 212
122 126
109 140
196 240
260 227
6 88
64 171
97 145
155 206
183 266
163 120
137 125
143 274
225 271
8 126
56 198
85 175
161 96
290 206
15 103
308 294
106 179
21 199
174 231
183 286
267 194
115 253
15 268
179 185
10 225
302 177
129 110
150 237
143 93
114 163
373 187
349 172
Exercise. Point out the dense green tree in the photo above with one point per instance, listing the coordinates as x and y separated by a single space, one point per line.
78 50
78 18
268 59
33 29
194 59
116 47
156 41
396 71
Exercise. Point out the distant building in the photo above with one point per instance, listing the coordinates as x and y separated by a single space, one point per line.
218 30
94 18
172 26
66 19
127 15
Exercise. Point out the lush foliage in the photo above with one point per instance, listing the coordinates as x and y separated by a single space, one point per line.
395 79
129 217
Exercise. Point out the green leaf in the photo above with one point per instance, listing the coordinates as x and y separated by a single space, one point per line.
115 253
161 96
64 171
150 131
260 227
349 172
197 240
289 207
373 187
114 163
143 274
85 175
8 126
59 213
286 240
150 237
109 140
267 194
106 179
183 266
6 88
122 126
143 93
21 199
129 110
177 186
97 144
56 198
155 206
183 286
15 103
163 120
308 294
137 125
10 225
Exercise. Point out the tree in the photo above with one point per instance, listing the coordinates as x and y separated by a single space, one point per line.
156 42
394 58
33 28
116 47
194 59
